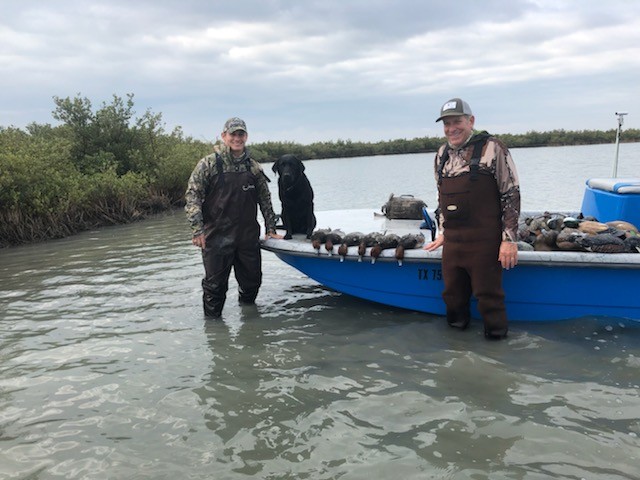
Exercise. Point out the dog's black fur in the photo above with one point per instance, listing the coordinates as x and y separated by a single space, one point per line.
296 196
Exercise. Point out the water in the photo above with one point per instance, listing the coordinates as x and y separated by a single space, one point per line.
108 370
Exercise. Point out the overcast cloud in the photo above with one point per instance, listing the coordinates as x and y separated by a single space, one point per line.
324 70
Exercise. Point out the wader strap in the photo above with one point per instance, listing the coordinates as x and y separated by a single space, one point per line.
219 171
474 163
248 164
443 160
475 159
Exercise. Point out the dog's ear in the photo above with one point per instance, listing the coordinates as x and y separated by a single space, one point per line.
298 162
276 165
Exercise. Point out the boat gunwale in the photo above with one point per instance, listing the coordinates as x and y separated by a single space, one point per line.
546 259
300 246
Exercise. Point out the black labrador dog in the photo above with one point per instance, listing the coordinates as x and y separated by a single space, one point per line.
296 196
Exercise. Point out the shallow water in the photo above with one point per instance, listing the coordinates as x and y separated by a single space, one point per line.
108 368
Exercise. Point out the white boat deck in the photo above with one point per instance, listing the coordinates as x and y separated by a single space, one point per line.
368 221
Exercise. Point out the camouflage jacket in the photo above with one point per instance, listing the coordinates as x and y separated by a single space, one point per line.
496 160
203 177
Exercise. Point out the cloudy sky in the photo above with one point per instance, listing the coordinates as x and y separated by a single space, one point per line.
322 70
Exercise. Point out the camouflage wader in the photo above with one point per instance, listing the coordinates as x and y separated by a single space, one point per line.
232 240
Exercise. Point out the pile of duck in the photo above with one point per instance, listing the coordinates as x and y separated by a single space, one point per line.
336 241
557 231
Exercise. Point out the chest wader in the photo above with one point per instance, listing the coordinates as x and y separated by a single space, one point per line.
231 232
470 205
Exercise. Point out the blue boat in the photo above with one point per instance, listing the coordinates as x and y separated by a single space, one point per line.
544 286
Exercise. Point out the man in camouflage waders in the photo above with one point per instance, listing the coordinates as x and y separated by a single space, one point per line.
479 206
222 196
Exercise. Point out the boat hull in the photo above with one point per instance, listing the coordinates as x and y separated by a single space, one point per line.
544 286
533 292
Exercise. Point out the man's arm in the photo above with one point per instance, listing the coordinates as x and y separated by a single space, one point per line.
195 195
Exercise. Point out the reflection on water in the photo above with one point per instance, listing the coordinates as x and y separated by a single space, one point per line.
109 370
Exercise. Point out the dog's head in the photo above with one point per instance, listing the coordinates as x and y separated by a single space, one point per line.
289 167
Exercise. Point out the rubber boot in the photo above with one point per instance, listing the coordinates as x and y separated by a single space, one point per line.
458 319
212 300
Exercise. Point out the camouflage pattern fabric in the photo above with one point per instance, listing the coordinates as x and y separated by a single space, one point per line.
496 160
204 177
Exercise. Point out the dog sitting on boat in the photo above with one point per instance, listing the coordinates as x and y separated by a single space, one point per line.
296 196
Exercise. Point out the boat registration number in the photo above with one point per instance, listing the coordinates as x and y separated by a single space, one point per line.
429 274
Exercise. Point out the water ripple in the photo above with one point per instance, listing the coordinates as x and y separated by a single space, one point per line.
108 369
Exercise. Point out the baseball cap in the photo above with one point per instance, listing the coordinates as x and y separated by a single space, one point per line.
234 124
454 107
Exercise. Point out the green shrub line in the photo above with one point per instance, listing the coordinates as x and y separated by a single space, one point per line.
108 167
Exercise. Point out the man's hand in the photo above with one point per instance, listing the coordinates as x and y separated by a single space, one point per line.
437 243
272 235
508 256
198 240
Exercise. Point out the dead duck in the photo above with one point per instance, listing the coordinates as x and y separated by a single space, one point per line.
362 249
412 240
408 241
334 237
368 240
568 239
602 243
545 241
555 221
525 235
524 246
352 238
632 244
399 254
349 240
389 240
570 222
375 252
593 227
343 249
383 242
319 237
536 224
627 227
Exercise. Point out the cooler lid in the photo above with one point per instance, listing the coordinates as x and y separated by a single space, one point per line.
615 185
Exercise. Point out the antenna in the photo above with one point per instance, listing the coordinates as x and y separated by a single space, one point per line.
620 122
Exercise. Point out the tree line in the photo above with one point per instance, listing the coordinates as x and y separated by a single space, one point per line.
104 166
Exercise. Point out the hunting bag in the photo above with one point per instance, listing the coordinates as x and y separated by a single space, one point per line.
403 207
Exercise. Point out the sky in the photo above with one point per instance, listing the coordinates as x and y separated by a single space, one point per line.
326 70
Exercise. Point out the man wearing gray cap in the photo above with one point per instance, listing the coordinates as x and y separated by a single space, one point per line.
478 210
222 196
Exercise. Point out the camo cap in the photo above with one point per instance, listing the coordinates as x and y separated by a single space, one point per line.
454 107
234 124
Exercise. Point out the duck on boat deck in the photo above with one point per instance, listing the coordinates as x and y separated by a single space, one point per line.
632 244
408 241
369 240
568 239
319 237
353 238
362 250
334 237
546 241
602 243
342 251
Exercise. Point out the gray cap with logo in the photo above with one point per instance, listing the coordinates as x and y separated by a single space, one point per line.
454 107
234 124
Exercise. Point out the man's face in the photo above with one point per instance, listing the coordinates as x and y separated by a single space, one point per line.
235 141
458 129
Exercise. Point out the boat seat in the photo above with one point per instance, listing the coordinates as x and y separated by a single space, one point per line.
615 185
